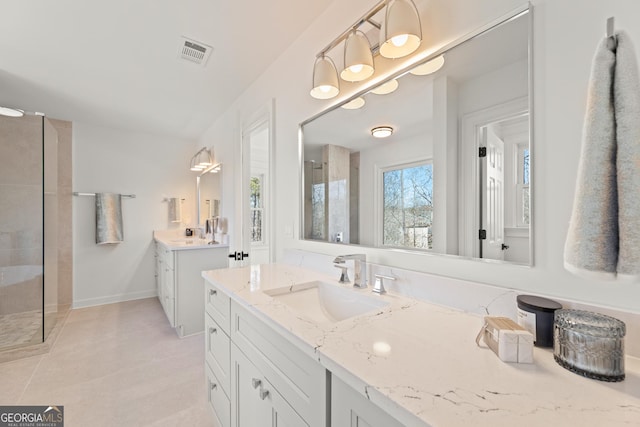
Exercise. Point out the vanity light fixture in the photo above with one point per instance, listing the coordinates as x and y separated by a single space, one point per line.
401 32
11 112
428 67
382 131
325 79
201 160
354 104
358 59
386 88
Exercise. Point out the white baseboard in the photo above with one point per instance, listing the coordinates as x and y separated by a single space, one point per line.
90 302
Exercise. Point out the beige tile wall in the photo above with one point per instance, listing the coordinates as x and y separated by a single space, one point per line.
20 186
65 240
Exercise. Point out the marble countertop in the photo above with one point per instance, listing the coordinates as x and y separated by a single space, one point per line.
419 362
174 242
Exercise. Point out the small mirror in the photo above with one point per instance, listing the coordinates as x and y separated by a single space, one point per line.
209 196
436 159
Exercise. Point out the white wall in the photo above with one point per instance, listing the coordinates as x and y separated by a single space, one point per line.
565 36
149 166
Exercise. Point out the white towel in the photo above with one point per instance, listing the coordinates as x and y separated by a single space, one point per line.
108 218
174 210
604 232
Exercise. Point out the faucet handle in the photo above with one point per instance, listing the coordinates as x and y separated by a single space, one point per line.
378 287
344 276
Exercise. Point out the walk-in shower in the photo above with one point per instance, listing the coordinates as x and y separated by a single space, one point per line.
28 230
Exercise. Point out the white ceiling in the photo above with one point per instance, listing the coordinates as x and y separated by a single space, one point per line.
115 63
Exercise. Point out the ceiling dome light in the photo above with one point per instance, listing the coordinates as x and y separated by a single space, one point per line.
382 131
11 112
401 32
429 67
358 59
325 79
386 88
354 104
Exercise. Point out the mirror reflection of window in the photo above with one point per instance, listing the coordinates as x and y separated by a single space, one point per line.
256 208
522 187
408 206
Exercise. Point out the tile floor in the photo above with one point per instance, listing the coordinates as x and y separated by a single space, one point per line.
115 365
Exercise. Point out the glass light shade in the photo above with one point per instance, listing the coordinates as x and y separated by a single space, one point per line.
11 112
382 131
401 32
386 88
428 67
325 79
354 104
358 59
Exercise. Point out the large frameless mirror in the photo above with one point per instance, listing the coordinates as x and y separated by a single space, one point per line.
452 174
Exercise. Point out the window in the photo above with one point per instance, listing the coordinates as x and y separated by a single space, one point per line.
408 206
522 187
256 206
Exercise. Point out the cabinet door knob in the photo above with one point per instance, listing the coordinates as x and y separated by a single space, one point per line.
264 394
212 330
256 382
214 386
212 292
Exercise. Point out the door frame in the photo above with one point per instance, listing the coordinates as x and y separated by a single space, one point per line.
264 116
470 143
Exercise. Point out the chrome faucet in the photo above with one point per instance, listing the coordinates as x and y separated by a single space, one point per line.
359 268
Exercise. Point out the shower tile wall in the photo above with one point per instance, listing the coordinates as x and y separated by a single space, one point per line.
65 248
21 185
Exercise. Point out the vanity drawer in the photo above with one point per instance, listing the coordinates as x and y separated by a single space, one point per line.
218 400
298 377
218 306
217 352
169 258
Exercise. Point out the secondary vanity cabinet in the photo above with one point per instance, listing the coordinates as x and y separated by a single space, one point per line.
263 375
179 284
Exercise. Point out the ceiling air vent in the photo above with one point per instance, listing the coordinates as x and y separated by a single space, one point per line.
194 51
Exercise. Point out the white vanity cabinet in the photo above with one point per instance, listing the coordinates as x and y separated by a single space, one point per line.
258 403
179 284
351 409
267 380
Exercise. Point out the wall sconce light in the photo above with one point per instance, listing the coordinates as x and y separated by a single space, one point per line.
354 104
382 131
358 59
385 88
202 160
401 32
428 67
400 35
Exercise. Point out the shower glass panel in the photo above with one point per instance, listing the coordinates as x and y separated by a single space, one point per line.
28 236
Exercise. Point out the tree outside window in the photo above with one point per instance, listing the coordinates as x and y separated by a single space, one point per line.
408 206
256 208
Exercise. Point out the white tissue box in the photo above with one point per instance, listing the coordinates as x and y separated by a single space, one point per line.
507 339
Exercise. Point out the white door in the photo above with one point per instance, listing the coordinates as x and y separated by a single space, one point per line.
493 196
254 244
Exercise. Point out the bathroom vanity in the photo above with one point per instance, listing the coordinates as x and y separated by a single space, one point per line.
383 360
179 262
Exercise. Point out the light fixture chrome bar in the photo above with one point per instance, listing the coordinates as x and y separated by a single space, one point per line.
128 196
365 18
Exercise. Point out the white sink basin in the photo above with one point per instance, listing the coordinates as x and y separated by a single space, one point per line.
326 303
